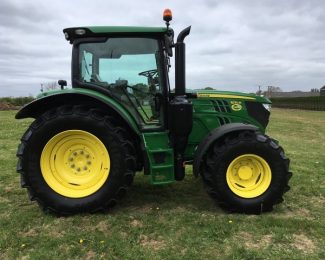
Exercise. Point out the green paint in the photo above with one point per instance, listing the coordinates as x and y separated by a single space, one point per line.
160 156
106 99
126 29
205 119
232 93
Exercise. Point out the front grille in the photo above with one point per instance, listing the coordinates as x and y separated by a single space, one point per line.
223 120
221 106
258 112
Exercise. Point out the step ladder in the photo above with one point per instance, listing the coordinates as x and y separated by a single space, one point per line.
160 156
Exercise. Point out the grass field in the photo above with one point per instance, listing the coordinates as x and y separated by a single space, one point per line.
178 220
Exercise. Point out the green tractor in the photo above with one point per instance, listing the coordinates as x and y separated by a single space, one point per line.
120 116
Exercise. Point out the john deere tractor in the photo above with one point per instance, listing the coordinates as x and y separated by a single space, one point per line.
121 116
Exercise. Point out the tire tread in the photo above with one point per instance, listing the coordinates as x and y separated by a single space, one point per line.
210 165
94 114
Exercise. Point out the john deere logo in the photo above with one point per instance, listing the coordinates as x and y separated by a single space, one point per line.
236 105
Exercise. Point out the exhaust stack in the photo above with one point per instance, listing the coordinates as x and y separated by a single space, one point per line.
180 62
180 116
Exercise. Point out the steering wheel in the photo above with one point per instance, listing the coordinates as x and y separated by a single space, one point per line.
149 73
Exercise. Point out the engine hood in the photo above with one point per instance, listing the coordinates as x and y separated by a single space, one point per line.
211 94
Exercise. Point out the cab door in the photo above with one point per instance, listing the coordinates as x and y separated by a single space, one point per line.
130 69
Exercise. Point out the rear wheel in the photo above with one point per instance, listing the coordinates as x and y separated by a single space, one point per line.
246 172
73 159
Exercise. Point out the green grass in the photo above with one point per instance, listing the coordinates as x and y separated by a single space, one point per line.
178 220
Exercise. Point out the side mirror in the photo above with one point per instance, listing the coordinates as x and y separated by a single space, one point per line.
62 83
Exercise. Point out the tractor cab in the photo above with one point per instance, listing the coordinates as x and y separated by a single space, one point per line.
130 65
126 63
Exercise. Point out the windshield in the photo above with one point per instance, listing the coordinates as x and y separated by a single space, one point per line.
128 68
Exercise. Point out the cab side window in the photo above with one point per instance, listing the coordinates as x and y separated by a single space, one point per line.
128 67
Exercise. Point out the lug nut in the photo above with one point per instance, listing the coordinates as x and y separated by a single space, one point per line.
81 152
78 169
89 162
85 168
75 153
72 166
70 159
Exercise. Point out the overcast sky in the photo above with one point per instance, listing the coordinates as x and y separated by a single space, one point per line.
234 45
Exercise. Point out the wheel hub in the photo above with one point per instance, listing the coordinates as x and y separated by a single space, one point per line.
79 161
75 163
245 172
248 176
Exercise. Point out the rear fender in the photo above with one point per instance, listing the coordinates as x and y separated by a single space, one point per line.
77 97
212 137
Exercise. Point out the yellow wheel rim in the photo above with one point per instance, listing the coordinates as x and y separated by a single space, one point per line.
75 163
249 176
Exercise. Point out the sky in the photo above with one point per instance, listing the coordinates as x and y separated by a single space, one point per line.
234 45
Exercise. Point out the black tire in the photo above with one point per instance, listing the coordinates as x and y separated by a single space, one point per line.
224 151
93 121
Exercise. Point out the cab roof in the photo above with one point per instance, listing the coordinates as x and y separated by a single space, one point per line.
99 31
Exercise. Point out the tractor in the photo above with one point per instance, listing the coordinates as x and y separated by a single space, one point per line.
121 116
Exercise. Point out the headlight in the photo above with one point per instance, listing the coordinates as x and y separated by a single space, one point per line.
267 107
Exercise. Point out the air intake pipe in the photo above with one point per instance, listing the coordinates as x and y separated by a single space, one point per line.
180 116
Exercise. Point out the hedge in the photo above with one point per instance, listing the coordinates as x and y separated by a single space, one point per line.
308 103
8 103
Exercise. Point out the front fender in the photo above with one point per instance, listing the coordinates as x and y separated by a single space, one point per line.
76 96
212 137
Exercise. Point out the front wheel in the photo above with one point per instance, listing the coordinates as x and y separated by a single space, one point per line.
74 159
246 172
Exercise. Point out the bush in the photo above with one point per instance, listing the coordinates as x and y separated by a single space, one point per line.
307 103
7 103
